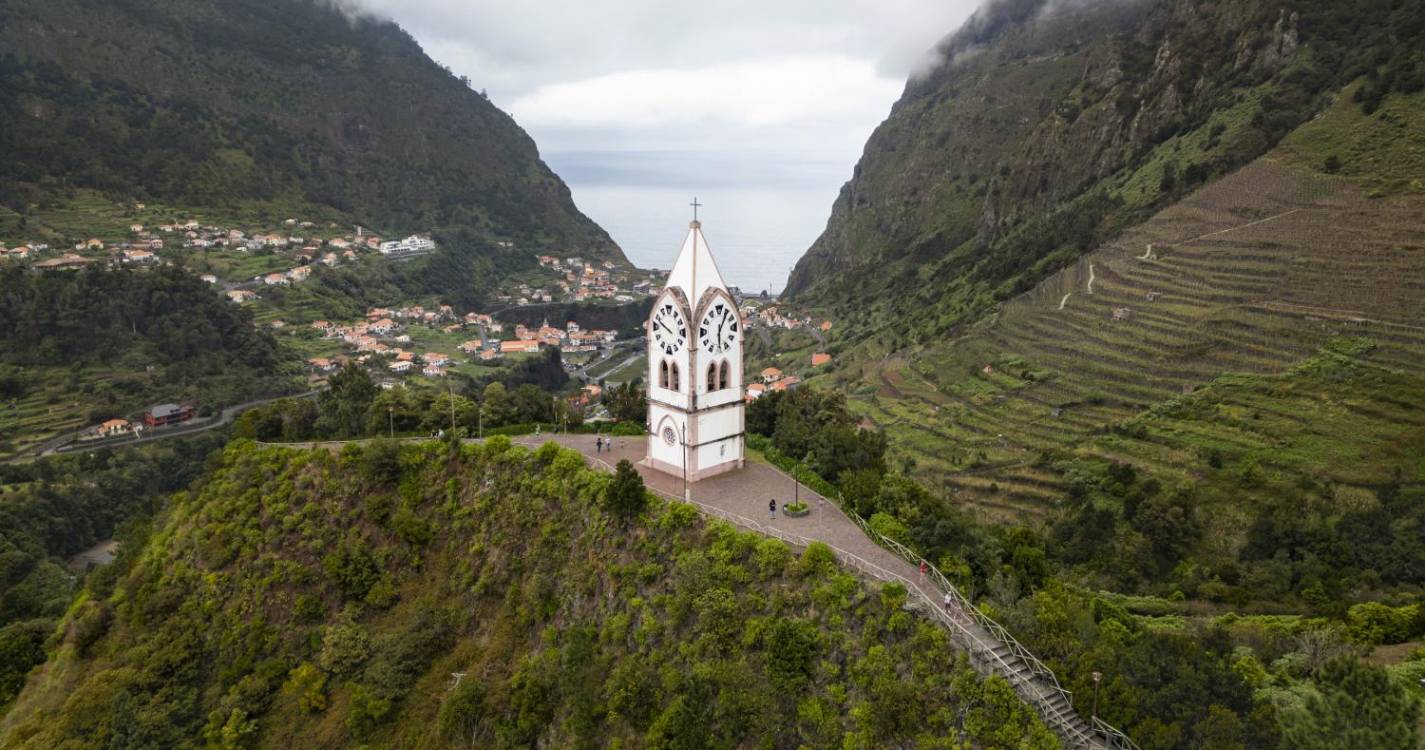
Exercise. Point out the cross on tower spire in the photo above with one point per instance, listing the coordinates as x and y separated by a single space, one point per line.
695 204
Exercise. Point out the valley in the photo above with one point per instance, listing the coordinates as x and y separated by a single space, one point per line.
1093 420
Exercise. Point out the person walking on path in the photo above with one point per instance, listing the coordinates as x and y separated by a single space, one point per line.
599 444
922 570
772 509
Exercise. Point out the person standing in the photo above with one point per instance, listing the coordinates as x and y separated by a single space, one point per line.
599 444
772 509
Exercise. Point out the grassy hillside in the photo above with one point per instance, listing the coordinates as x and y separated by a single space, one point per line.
1251 274
287 104
425 596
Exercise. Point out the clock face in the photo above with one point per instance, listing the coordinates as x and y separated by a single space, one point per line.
718 330
670 332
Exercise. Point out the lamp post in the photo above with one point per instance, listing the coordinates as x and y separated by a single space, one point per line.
391 421
1096 677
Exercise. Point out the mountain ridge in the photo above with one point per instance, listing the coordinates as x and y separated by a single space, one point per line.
1019 152
286 101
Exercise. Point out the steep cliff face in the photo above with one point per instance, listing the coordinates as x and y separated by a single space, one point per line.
204 103
1046 126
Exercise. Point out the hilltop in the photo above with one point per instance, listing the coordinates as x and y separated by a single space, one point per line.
486 596
247 106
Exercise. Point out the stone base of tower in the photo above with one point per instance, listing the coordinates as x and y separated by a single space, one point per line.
694 475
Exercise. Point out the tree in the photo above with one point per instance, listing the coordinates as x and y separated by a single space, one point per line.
346 402
496 408
626 496
627 402
1356 707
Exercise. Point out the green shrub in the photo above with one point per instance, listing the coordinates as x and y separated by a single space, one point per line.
1373 623
626 497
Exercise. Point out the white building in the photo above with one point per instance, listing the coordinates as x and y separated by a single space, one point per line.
410 245
695 388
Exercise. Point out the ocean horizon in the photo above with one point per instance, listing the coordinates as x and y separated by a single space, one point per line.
760 212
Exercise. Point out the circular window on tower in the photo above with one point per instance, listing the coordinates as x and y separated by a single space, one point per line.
669 436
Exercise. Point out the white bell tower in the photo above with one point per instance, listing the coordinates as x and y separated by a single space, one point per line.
695 388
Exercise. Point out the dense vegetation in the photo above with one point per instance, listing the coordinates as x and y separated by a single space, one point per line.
353 406
100 344
485 596
165 318
1170 683
56 507
278 102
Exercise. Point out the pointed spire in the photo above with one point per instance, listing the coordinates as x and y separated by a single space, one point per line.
695 270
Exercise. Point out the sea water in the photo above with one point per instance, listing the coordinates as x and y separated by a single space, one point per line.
760 211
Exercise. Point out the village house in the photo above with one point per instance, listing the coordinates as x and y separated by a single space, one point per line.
164 414
276 278
435 358
785 383
401 366
114 428
242 295
471 346
488 354
771 374
820 358
66 262
408 246
143 257
519 346
321 364
433 371
755 390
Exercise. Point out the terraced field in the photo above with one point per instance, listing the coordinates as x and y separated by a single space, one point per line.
1251 274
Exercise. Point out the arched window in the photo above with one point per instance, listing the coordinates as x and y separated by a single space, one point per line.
724 379
673 371
663 374
712 376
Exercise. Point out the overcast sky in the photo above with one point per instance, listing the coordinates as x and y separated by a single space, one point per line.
810 75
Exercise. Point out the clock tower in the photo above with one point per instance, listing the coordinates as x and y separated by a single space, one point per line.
695 389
